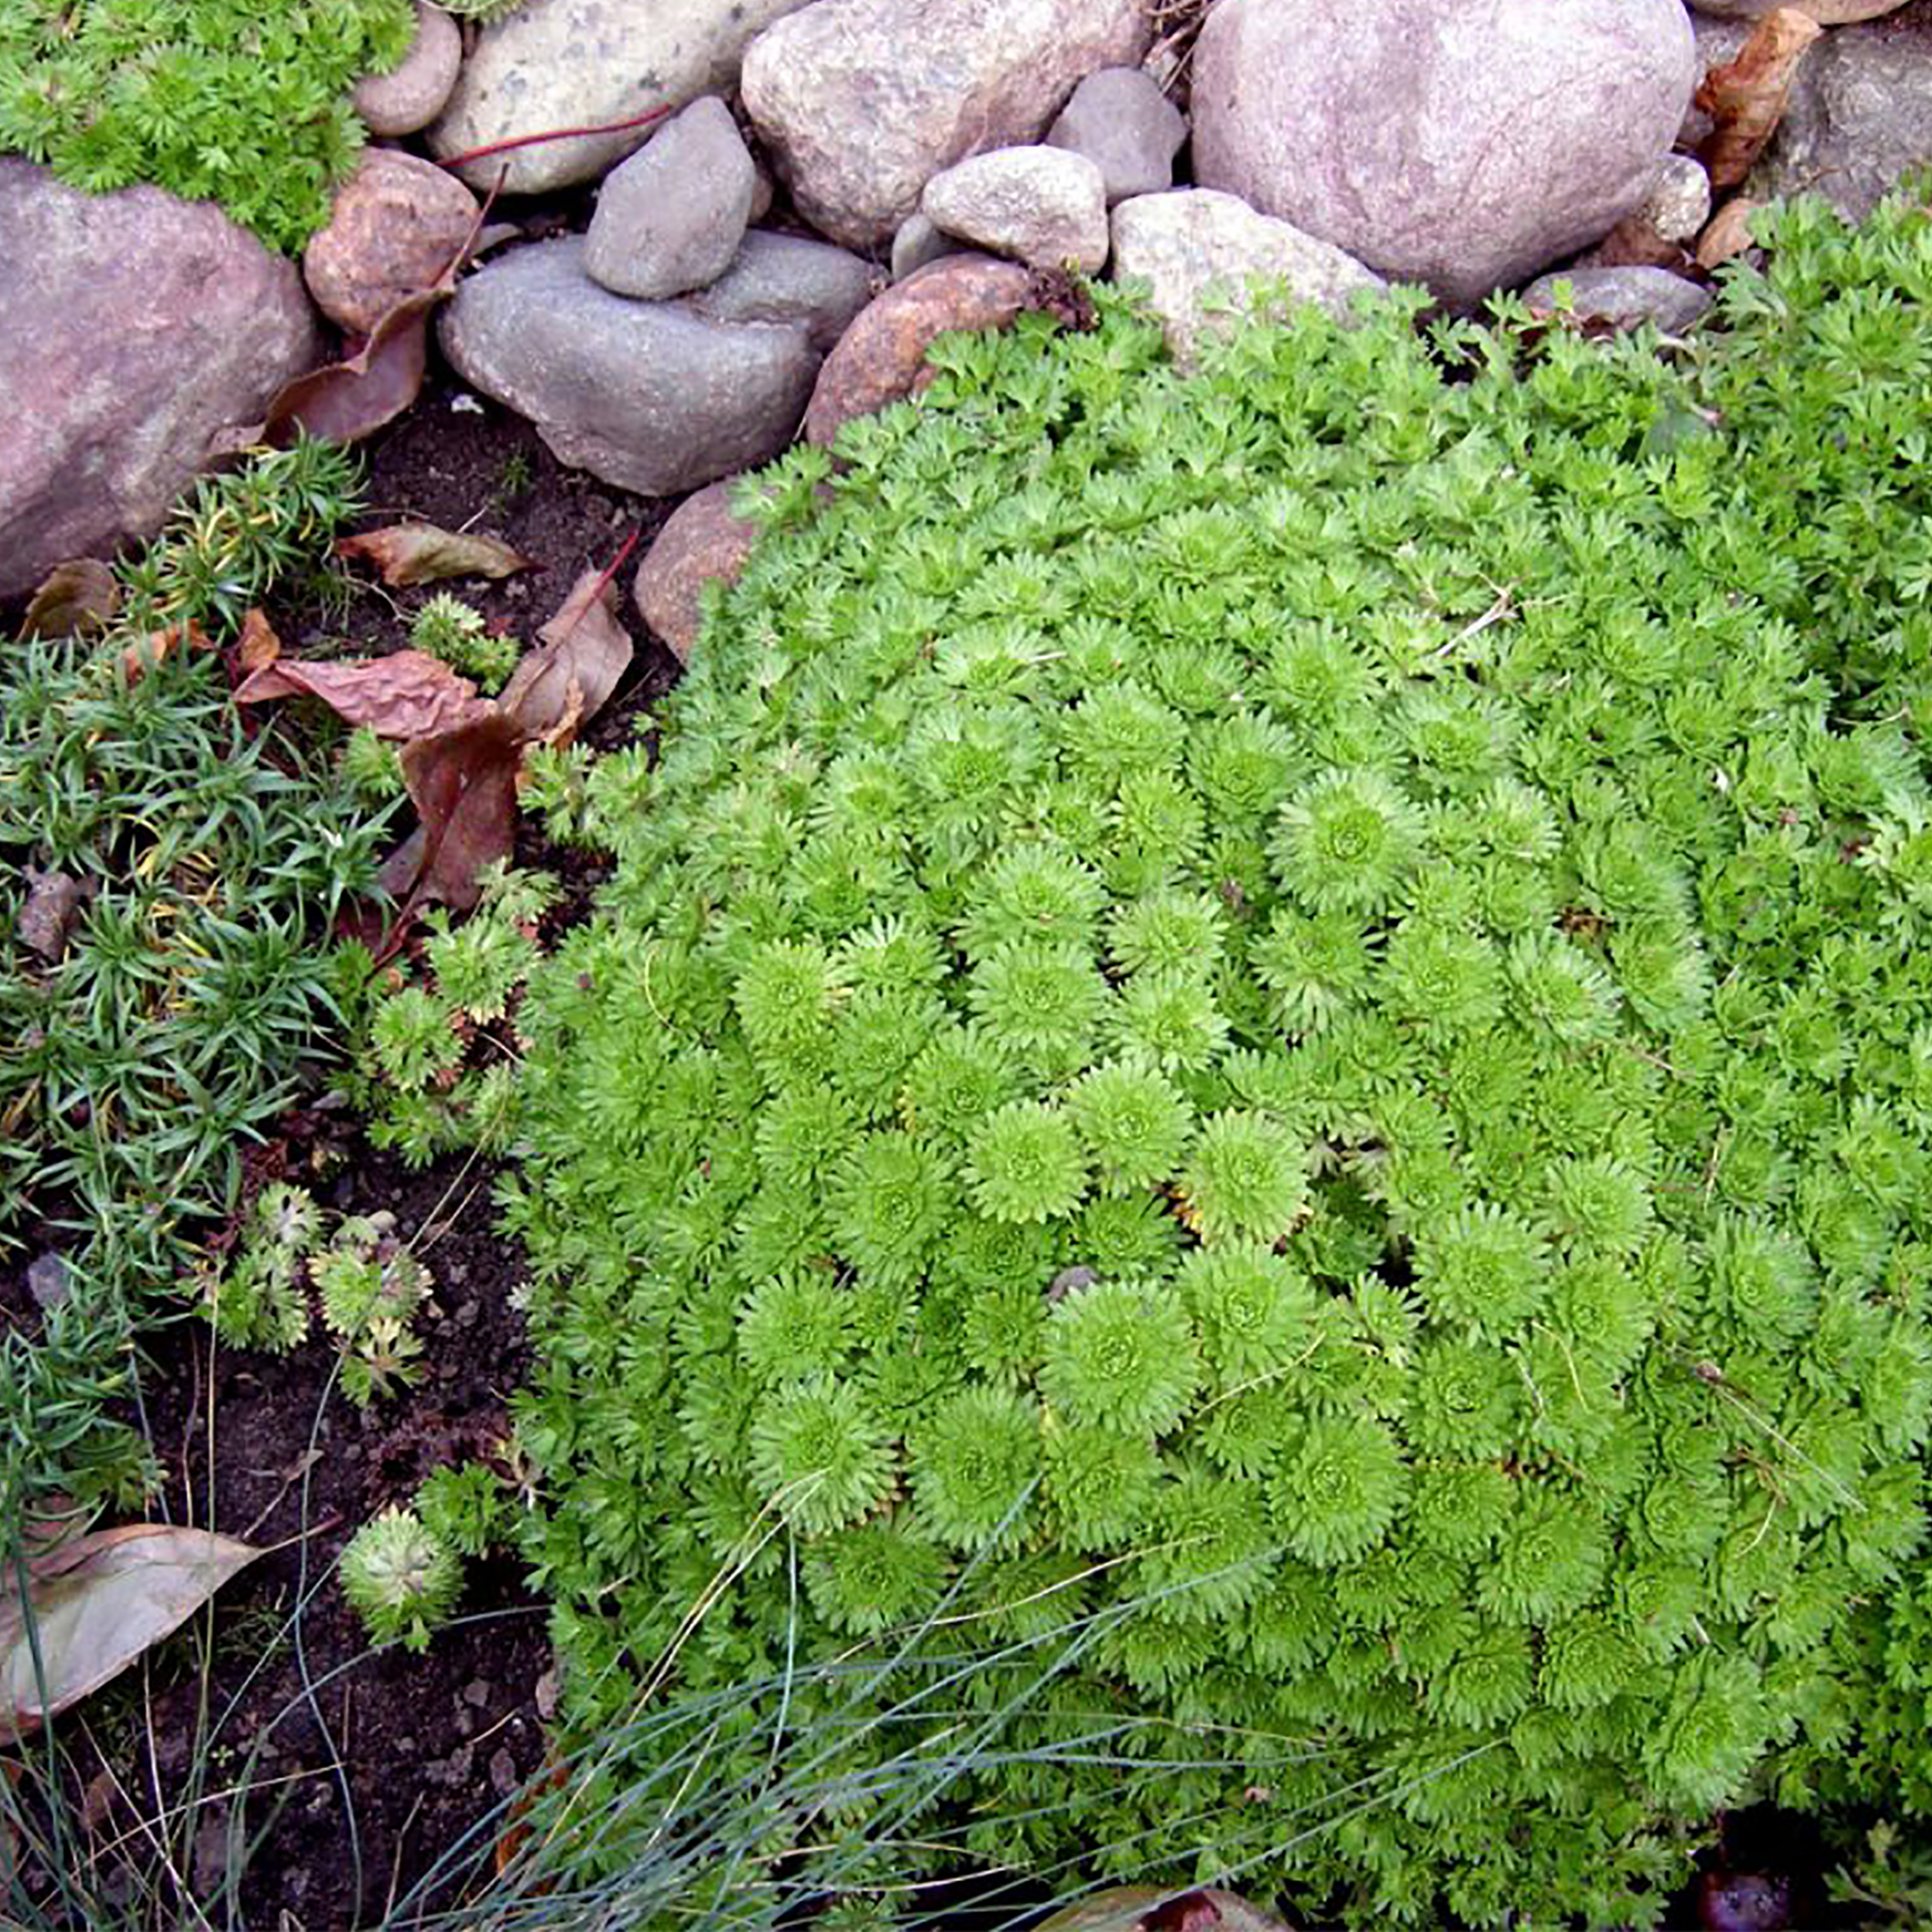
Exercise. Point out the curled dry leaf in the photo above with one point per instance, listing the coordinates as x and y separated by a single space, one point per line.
75 599
157 646
582 654
1746 97
408 554
1727 232
462 783
354 398
407 695
94 1605
258 646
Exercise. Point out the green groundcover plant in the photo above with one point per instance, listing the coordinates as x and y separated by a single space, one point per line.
224 99
1287 1014
203 860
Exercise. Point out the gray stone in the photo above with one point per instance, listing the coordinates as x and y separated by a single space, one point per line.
861 102
1197 249
1680 204
1625 296
669 220
583 63
411 94
1859 117
1046 207
650 396
1460 146
1827 12
1126 126
790 279
917 242
136 330
47 1279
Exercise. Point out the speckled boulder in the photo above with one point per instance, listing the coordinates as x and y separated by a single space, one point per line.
1461 146
394 225
136 330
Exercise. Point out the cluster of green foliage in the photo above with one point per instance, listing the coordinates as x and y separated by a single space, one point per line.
400 1579
222 99
1287 1015
369 1286
401 1571
197 979
448 628
436 1068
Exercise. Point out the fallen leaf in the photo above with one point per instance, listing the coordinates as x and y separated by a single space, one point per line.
94 1605
157 646
408 554
1746 97
354 398
407 695
75 598
583 653
53 900
1727 232
258 646
462 783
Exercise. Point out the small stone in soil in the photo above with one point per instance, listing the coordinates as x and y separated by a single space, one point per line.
502 1773
477 1692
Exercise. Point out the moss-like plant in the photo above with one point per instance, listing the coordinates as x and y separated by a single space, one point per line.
1290 1008
449 628
402 1580
210 98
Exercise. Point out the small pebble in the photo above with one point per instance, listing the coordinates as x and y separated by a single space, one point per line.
477 1692
47 1279
502 1773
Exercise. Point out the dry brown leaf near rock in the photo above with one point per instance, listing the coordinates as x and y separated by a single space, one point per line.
1746 97
406 554
75 599
406 694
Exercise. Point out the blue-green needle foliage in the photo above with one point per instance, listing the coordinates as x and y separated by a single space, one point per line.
1406 861
213 99
205 860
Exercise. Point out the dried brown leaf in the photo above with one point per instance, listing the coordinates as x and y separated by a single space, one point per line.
258 646
96 1604
407 695
1727 232
583 653
1746 97
408 554
75 599
462 783
157 646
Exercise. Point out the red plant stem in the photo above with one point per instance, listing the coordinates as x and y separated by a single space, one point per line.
554 134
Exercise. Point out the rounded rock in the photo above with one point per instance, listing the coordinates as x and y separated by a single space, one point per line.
1396 129
670 219
396 222
881 357
1046 207
704 541
1126 126
411 94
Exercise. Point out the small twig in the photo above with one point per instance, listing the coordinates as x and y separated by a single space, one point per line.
554 134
